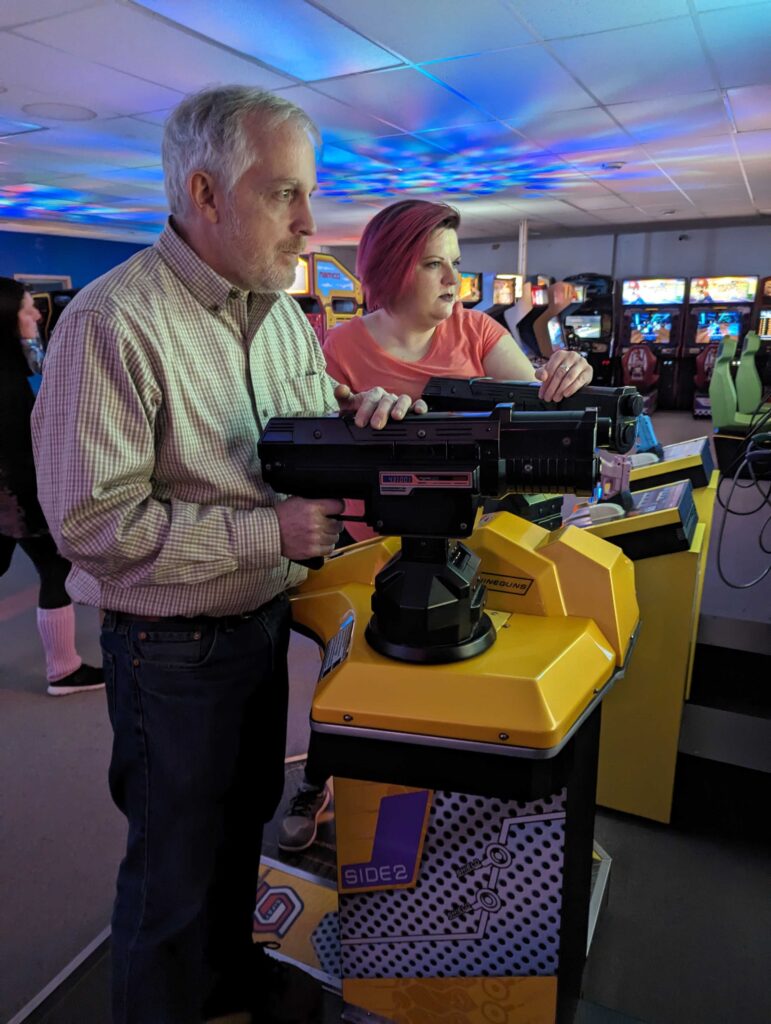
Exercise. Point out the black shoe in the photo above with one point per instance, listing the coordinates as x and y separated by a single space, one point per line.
283 994
300 823
87 677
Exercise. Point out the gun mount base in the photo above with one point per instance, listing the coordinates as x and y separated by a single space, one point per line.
428 604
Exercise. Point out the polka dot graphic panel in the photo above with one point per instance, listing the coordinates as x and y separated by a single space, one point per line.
487 903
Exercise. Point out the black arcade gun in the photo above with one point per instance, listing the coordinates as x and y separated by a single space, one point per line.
587 324
651 330
719 307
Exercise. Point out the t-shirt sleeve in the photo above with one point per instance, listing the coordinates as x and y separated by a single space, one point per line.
489 332
334 353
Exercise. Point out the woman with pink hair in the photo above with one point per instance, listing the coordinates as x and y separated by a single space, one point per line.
415 329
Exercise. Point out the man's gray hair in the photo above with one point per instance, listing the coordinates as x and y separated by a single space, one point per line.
206 132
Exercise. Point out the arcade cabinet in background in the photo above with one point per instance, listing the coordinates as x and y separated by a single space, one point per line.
650 333
547 328
327 293
507 289
535 301
718 307
762 324
470 292
587 324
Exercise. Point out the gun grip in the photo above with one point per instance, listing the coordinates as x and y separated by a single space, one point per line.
311 563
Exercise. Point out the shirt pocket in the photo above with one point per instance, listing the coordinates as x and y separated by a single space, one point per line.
302 395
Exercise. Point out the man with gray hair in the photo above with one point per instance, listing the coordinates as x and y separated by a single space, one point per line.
159 379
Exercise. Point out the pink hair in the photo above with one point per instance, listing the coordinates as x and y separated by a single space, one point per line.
392 244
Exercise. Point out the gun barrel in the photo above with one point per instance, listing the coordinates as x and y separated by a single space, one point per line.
617 408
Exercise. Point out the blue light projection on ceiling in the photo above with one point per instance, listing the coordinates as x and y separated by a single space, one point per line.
478 171
44 202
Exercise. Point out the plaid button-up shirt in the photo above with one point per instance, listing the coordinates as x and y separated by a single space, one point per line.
158 381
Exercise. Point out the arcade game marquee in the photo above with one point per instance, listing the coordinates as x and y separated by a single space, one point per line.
458 705
327 293
651 329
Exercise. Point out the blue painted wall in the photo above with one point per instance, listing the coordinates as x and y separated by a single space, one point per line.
82 258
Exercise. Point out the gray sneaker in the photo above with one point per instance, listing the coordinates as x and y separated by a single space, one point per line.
300 824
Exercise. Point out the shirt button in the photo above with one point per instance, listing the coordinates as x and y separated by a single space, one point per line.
135 662
234 293
214 309
143 636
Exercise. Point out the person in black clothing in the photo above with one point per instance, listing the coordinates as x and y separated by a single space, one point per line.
21 518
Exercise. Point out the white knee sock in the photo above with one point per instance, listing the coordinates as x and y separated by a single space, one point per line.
57 631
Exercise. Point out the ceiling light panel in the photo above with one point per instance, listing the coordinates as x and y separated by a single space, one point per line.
290 36
654 62
337 121
521 84
554 19
429 29
148 47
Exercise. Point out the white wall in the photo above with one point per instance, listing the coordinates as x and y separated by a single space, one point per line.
690 252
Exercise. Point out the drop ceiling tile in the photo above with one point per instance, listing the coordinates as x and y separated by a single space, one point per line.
404 98
737 42
17 12
603 202
573 131
554 19
337 121
491 141
701 114
293 37
751 107
430 29
519 85
154 116
756 146
630 64
93 141
629 216
149 48
711 5
28 64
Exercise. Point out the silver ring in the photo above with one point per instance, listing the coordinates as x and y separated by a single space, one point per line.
564 368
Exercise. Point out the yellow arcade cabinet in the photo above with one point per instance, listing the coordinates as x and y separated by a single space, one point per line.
458 707
327 293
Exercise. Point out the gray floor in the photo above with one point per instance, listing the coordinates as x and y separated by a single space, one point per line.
683 940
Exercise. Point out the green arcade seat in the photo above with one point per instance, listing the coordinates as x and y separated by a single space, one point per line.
722 391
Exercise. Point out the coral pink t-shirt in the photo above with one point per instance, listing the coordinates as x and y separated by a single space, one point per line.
459 347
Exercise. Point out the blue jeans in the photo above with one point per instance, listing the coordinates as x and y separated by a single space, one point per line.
198 709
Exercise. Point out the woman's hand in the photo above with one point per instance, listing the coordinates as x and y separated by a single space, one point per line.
374 407
563 375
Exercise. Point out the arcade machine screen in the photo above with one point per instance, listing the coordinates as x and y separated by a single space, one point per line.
507 288
712 327
585 328
650 327
556 336
723 289
470 289
540 295
653 291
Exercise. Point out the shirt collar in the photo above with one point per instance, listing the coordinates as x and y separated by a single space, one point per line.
204 283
